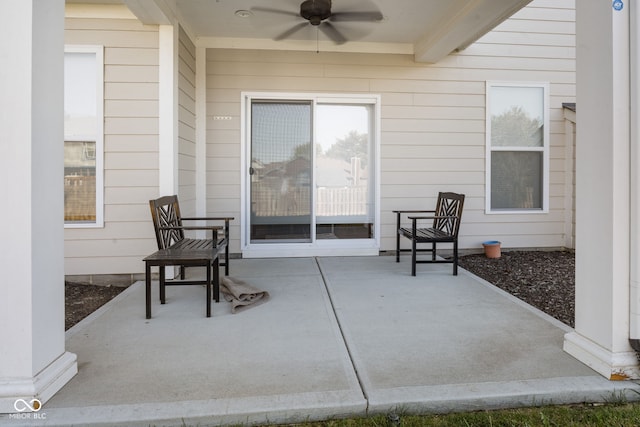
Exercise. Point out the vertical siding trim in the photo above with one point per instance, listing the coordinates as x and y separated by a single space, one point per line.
201 131
168 109
569 179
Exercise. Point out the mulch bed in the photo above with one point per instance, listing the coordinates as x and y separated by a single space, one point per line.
82 299
543 279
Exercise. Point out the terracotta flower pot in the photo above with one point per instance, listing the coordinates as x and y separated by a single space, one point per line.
492 249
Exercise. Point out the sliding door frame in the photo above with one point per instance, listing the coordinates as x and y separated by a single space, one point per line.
322 247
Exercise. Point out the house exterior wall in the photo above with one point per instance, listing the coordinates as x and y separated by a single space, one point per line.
432 122
130 141
433 119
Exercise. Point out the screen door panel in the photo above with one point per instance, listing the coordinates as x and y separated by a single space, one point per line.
281 171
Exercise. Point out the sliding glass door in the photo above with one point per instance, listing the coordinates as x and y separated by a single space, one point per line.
311 172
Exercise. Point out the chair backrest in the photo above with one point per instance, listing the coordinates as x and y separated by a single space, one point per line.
449 204
165 212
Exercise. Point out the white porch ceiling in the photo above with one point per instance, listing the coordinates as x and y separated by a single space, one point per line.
429 29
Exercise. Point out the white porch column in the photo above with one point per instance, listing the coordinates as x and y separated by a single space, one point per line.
601 337
168 105
33 361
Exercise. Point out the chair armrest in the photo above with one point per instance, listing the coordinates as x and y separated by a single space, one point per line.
432 217
414 220
204 227
194 227
211 218
226 220
412 211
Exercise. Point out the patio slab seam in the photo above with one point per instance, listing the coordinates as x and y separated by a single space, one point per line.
345 341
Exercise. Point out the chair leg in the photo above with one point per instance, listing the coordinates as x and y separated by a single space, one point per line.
413 257
455 257
398 239
433 251
226 259
162 285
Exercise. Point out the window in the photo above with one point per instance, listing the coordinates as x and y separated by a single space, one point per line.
83 136
517 148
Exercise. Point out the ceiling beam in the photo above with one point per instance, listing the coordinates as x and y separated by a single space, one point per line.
153 12
468 24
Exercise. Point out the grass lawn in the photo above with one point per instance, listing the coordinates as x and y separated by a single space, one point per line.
614 414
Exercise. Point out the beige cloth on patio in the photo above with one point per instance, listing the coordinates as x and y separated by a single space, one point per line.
241 294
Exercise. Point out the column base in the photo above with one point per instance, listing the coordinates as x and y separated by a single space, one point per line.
616 366
42 387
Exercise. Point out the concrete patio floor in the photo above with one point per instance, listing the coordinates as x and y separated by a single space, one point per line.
339 337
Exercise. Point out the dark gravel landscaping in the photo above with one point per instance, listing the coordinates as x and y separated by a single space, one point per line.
83 299
545 280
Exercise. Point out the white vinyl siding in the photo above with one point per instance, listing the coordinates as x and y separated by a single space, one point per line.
432 119
130 144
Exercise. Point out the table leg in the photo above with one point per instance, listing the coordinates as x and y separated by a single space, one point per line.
147 275
208 285
216 279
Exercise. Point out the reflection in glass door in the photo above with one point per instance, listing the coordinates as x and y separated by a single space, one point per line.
280 171
344 166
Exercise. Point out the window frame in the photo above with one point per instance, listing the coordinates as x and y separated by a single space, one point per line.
98 50
544 149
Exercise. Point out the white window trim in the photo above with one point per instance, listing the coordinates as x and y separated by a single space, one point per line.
544 149
98 50
347 247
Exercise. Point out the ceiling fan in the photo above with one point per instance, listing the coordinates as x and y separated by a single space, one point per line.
318 13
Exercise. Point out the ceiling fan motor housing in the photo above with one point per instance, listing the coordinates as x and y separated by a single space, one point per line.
315 11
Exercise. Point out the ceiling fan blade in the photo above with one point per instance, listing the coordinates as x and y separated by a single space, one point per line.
332 33
356 17
275 11
291 31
